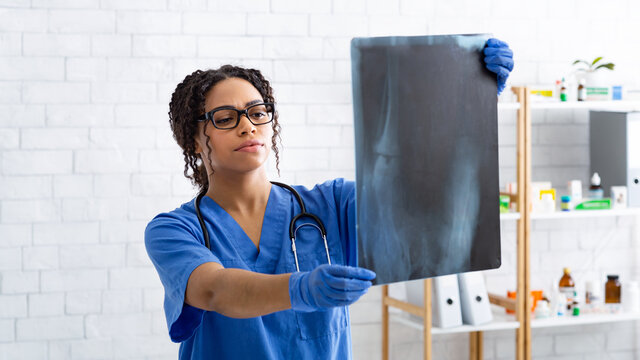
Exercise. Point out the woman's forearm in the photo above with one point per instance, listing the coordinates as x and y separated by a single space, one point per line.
240 293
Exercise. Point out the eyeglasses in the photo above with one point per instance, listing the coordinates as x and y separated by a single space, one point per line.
228 117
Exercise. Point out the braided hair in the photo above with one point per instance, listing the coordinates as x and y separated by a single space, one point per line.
187 103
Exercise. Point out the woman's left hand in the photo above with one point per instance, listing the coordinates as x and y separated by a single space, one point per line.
498 59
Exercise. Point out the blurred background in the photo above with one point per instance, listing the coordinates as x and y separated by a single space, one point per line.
87 158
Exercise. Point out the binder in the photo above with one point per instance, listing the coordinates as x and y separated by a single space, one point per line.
474 299
446 302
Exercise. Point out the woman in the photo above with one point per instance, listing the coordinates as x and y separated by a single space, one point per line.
256 293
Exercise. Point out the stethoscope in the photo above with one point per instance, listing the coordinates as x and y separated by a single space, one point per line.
292 228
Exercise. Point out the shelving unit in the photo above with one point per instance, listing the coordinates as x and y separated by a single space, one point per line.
521 322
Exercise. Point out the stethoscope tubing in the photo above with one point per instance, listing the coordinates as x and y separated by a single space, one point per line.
292 228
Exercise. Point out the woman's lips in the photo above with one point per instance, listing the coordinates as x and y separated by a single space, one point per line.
251 148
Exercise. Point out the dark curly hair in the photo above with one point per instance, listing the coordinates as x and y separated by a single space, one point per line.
187 103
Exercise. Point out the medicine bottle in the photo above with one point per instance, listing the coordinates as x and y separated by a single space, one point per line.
612 290
563 91
566 286
582 91
595 190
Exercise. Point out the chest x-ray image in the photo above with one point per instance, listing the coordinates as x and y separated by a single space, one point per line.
425 111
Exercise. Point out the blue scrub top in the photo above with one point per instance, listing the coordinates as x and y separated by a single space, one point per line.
175 244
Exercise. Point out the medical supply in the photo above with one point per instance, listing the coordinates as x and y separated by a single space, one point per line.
612 290
543 310
563 90
616 92
598 204
560 304
619 197
547 200
504 203
595 190
631 297
582 91
293 230
567 287
575 308
565 203
575 190
589 295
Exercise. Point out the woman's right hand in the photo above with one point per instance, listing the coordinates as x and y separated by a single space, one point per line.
328 286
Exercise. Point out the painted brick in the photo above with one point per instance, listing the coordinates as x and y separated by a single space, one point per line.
94 209
28 211
15 235
110 45
141 115
89 69
24 350
7 331
249 47
10 93
19 282
66 4
71 280
79 115
123 93
150 185
46 304
13 306
338 25
54 139
133 278
148 22
72 185
40 257
105 161
55 45
111 185
10 44
67 327
165 46
92 349
117 325
204 23
40 68
83 302
303 71
23 20
277 24
21 115
82 21
9 138
25 187
292 47
92 256
66 233
122 301
40 162
55 93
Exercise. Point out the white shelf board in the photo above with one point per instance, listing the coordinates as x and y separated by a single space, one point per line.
593 105
585 213
508 106
501 321
583 319
510 216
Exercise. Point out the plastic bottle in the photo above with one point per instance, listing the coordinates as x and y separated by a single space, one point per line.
582 91
563 91
631 300
612 290
567 287
595 190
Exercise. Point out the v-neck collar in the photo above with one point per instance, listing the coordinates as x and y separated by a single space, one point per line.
271 234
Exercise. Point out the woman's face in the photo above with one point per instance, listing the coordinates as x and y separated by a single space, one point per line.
227 151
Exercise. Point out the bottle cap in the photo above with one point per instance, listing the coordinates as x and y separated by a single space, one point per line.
612 277
595 179
566 270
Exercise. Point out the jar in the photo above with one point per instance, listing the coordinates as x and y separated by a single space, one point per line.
612 290
565 203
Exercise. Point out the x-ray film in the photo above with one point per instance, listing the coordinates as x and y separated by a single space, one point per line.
426 143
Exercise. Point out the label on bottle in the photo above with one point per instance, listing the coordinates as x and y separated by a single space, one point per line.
569 292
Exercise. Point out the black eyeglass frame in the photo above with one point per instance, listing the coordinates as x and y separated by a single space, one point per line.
209 115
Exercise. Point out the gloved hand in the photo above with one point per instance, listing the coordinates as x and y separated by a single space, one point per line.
328 286
498 59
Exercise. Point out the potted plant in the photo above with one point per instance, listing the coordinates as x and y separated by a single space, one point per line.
596 84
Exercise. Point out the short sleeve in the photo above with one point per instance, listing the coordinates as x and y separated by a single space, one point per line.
175 251
344 193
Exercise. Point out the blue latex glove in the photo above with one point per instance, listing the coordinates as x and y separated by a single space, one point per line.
498 59
328 286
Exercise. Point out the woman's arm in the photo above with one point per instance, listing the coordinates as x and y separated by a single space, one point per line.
237 293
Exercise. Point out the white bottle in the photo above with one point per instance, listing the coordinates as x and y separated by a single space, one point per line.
631 297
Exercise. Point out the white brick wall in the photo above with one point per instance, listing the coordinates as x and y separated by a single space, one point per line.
87 157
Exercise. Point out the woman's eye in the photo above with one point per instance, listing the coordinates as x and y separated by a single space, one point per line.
223 121
258 115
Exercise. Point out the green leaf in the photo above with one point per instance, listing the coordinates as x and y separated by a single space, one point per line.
609 66
596 60
583 62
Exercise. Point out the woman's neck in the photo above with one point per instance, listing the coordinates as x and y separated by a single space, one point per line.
242 193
